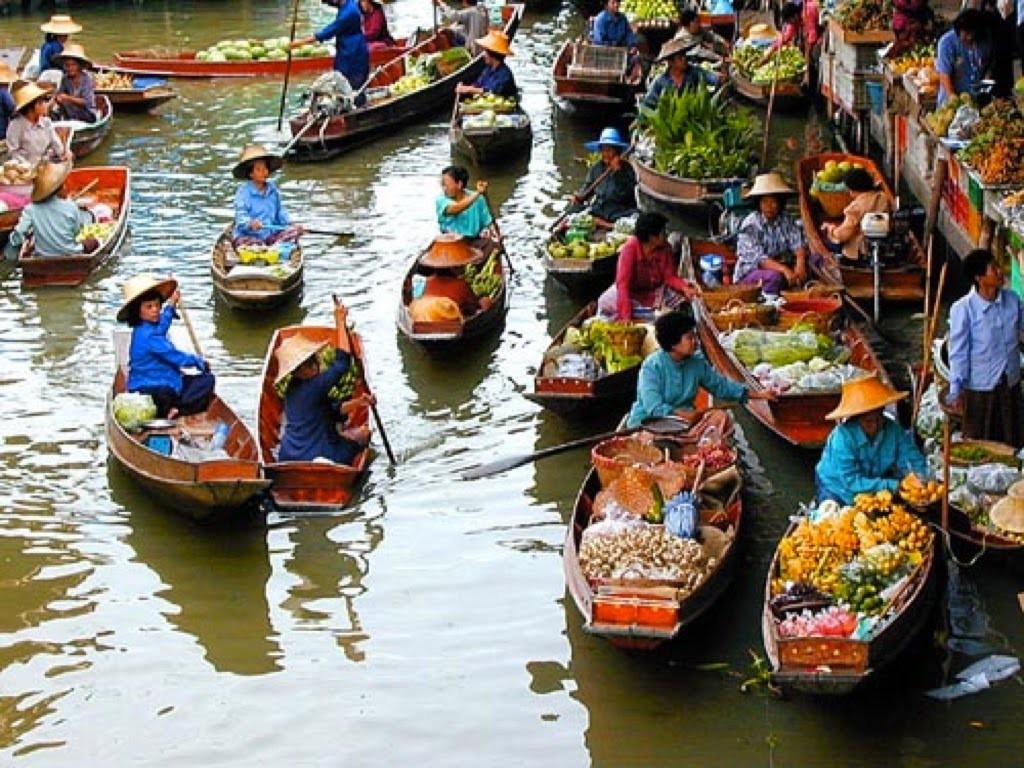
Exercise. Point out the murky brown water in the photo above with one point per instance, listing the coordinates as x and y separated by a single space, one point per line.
429 625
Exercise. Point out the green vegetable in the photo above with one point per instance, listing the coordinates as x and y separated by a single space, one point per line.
133 408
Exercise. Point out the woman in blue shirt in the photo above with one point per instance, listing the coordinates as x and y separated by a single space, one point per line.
154 363
962 57
459 211
351 53
496 77
57 31
867 452
311 428
260 217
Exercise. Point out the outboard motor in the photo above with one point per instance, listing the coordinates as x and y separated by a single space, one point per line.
330 95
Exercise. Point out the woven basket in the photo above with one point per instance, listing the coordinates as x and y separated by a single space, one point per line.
627 339
814 290
739 315
833 203
816 312
716 299
610 457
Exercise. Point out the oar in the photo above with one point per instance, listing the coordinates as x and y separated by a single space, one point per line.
87 188
373 406
667 425
586 193
288 65
314 230
929 338
188 327
771 106
313 120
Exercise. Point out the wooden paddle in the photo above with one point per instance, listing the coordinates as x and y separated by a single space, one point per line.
362 375
188 327
288 64
771 106
87 188
311 230
586 193
929 337
668 425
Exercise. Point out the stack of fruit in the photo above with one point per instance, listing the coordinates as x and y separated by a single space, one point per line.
650 13
920 493
919 57
996 150
938 121
484 280
593 337
789 67
864 15
488 102
271 49
113 81
100 230
17 173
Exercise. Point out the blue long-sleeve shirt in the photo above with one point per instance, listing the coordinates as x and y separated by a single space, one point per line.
498 80
153 361
984 338
47 51
965 64
351 54
265 206
309 431
851 464
665 386
613 29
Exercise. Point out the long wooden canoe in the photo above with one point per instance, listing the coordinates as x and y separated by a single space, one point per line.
183 63
646 615
113 187
87 137
593 93
452 335
797 418
501 143
788 94
138 99
900 283
582 278
311 486
837 665
211 490
572 396
676 191
320 137
249 287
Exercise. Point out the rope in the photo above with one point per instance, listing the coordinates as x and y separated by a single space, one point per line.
948 546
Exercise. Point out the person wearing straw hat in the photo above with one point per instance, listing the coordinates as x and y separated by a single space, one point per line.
471 22
770 248
351 53
985 330
311 429
31 136
867 451
614 197
691 32
155 365
683 72
53 222
846 236
260 217
57 31
7 108
496 76
76 95
465 213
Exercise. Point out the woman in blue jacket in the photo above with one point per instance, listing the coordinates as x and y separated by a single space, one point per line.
351 53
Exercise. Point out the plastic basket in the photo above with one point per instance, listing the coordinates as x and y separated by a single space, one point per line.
876 96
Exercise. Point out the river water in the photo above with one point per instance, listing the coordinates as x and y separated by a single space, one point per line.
429 625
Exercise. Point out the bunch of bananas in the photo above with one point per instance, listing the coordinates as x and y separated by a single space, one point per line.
484 280
99 230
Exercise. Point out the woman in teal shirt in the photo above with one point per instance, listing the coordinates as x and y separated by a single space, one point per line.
868 452
459 211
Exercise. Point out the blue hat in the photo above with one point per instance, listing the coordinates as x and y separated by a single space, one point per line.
610 137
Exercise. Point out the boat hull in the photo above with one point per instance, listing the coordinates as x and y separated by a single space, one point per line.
138 100
592 97
492 146
678 192
788 95
253 291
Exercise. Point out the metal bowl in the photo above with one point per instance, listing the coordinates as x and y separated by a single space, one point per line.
158 424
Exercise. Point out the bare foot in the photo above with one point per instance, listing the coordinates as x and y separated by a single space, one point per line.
172 414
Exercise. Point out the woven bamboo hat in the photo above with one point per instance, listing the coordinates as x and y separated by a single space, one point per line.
448 250
138 286
864 395
252 153
7 75
25 92
293 352
761 32
769 184
676 45
61 25
49 178
1008 514
495 42
74 51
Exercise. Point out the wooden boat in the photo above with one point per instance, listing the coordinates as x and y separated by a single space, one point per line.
644 615
510 136
798 418
787 92
676 191
320 137
251 287
582 278
85 137
900 283
837 665
305 485
8 221
591 90
113 187
450 335
207 490
183 63
140 99
572 396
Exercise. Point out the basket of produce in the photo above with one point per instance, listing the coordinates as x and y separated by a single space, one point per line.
833 198
718 298
715 458
816 313
813 290
625 338
920 494
610 457
969 453
739 315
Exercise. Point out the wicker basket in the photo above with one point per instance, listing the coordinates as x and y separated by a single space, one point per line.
610 457
833 203
816 312
739 315
627 339
814 290
716 299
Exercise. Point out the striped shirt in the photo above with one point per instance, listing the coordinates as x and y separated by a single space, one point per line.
760 239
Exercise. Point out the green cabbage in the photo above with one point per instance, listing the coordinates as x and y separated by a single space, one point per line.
131 409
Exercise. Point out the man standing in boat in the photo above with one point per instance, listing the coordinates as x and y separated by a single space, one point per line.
470 20
985 328
351 53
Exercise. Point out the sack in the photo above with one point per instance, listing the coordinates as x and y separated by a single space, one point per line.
434 309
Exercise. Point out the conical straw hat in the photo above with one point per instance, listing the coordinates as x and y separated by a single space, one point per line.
50 177
25 92
448 250
251 153
7 75
74 51
293 352
864 395
495 42
769 184
61 25
1008 514
142 284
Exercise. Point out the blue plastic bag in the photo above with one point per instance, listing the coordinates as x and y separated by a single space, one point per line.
682 518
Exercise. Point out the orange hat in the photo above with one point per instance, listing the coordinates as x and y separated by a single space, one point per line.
864 395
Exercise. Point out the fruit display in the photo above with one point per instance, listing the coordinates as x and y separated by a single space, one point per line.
614 550
597 339
714 456
100 230
938 122
832 621
996 150
832 175
650 10
790 65
410 83
920 493
919 57
485 279
113 81
258 254
17 172
583 249
271 49
696 135
864 15
488 102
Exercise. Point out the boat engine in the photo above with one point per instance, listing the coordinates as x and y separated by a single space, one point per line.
895 243
331 95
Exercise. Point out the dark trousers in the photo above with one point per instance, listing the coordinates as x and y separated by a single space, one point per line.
196 391
994 415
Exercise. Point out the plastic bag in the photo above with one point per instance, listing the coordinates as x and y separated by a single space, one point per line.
964 120
133 408
930 417
977 677
682 518
992 478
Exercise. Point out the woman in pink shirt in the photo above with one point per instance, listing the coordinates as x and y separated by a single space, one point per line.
647 267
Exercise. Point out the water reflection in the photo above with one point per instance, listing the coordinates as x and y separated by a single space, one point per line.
438 391
247 334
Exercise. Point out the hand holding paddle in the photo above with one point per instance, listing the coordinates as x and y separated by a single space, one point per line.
583 196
